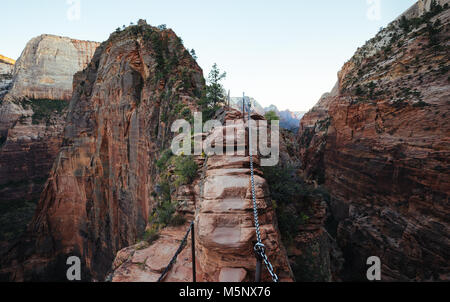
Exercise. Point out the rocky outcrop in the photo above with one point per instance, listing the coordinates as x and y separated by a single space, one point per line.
6 71
421 7
302 213
224 226
34 96
379 144
46 67
99 192
32 116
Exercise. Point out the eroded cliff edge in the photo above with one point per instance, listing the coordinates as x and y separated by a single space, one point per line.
99 193
379 142
34 96
219 200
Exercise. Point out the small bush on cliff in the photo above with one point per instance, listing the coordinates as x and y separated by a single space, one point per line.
178 220
359 91
14 217
193 54
151 235
407 24
433 30
162 27
164 159
420 104
186 169
283 185
44 109
292 199
164 213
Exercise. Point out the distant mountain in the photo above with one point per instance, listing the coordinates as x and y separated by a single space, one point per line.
289 120
236 102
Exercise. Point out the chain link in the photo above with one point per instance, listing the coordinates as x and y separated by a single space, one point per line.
174 259
259 248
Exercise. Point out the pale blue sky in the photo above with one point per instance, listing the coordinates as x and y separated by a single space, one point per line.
284 52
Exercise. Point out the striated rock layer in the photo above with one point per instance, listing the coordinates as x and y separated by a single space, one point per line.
380 144
6 71
32 117
225 223
97 198
224 227
46 67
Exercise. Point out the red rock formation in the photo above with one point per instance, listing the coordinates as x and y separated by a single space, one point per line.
98 195
380 144
31 129
224 225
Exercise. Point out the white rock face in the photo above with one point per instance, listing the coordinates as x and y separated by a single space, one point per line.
6 70
421 7
46 67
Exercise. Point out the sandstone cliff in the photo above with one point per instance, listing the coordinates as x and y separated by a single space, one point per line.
220 202
46 67
32 116
99 193
6 70
380 144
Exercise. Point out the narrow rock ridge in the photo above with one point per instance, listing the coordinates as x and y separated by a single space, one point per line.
225 230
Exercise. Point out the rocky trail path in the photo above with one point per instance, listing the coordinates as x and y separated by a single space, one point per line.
220 201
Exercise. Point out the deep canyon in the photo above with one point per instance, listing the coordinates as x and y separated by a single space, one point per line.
85 171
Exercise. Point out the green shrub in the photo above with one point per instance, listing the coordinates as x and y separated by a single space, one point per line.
165 157
151 236
43 109
178 108
162 27
420 104
165 190
292 199
178 220
164 213
272 116
285 188
359 91
14 217
186 113
186 169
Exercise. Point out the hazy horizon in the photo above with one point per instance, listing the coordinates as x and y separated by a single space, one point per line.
286 53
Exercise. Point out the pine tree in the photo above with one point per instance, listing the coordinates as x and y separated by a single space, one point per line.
214 91
193 54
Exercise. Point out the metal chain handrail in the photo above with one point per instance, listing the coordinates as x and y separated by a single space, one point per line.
174 259
259 248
